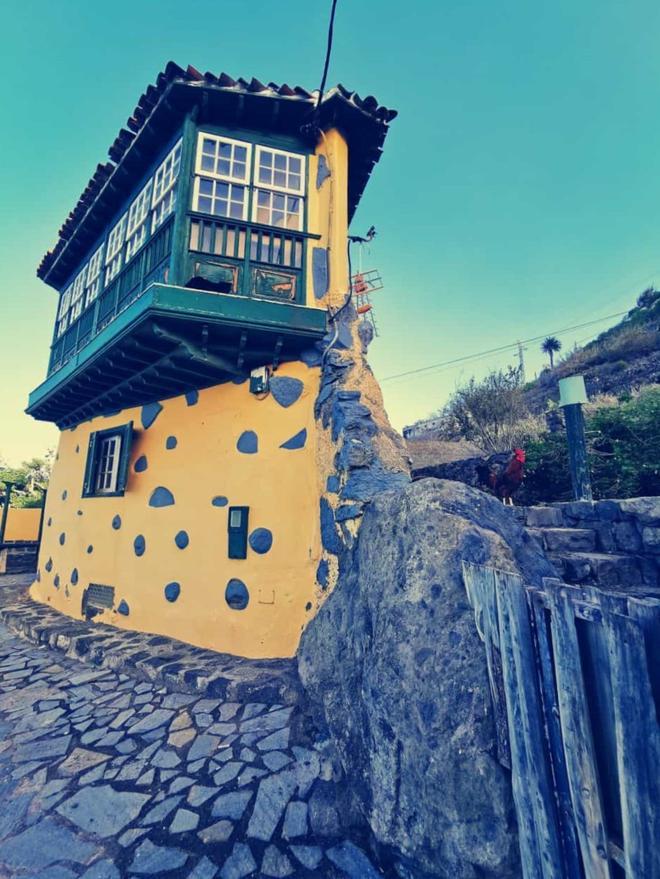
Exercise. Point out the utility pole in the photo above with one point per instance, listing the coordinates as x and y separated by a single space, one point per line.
572 394
521 360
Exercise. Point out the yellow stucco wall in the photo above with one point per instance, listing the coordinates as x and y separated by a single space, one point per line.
280 486
327 216
22 523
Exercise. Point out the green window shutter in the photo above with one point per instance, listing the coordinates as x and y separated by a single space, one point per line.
126 432
90 467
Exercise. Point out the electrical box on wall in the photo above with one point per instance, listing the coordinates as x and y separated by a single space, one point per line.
238 532
259 380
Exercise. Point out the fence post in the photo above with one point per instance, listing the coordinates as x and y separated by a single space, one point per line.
5 510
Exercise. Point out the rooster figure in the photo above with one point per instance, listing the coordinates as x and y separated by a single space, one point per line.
503 474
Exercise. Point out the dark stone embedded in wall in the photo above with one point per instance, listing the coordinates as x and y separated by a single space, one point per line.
49 565
348 511
150 412
161 497
79 512
172 591
332 484
139 545
116 522
50 521
261 540
286 390
141 464
297 441
236 594
320 271
192 398
171 442
322 171
74 576
123 608
64 494
56 581
62 538
220 501
322 573
248 443
329 536
181 539
90 549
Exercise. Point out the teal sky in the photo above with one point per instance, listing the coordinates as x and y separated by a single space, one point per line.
519 192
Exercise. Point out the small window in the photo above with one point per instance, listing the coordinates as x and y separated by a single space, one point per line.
108 453
136 225
93 280
63 311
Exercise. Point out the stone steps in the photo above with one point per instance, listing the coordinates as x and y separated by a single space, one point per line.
612 544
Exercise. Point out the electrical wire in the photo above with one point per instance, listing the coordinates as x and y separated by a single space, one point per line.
501 348
328 52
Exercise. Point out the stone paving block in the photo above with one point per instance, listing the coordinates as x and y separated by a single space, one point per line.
273 795
275 863
152 721
199 794
218 832
205 869
277 741
42 844
181 783
204 746
308 855
102 810
275 760
184 821
231 805
240 863
165 759
103 869
80 760
353 861
160 812
150 859
295 820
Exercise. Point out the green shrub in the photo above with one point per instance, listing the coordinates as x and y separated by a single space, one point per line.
624 453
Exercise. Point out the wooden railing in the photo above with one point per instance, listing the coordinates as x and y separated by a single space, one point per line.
149 265
575 684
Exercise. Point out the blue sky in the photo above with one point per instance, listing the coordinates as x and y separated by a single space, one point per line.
519 191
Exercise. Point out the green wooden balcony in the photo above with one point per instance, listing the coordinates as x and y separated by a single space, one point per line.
164 340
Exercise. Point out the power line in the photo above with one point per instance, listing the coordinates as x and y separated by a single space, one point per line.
328 52
500 349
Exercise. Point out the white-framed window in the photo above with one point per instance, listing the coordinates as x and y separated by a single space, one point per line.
166 174
77 295
223 158
114 250
136 224
224 182
220 198
106 468
93 278
276 169
277 209
163 209
63 311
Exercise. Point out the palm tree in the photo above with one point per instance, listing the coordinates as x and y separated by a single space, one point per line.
550 346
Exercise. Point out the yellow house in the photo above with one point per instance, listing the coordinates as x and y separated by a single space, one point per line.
205 370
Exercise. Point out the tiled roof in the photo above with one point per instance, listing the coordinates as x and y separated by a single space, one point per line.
363 121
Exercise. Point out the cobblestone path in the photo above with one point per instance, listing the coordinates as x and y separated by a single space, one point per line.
104 776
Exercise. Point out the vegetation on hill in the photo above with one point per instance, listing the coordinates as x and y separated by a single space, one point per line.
29 480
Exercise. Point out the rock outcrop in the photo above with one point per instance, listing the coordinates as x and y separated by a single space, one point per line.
394 663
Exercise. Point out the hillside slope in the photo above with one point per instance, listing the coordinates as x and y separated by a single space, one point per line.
622 359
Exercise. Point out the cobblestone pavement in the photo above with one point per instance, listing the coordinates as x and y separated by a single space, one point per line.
103 776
